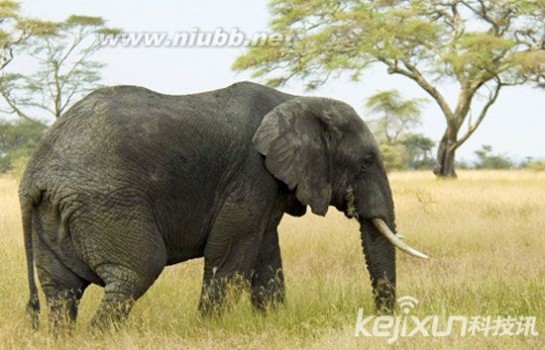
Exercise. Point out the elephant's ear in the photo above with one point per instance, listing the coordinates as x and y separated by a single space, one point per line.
294 139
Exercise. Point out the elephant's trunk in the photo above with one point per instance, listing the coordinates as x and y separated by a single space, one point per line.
379 243
371 202
380 258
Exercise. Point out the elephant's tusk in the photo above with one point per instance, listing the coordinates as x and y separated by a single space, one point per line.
385 230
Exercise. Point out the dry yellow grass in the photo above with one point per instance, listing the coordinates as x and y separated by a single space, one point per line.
485 235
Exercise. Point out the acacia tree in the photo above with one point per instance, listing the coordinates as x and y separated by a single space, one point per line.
65 70
393 129
15 30
482 46
396 115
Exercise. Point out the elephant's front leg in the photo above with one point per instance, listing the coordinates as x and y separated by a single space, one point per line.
226 272
229 257
268 278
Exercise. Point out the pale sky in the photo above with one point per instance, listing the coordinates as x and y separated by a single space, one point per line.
515 125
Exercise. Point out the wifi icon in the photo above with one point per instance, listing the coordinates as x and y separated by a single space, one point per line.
406 303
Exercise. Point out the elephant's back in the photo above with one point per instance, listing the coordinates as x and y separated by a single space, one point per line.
117 133
135 117
129 133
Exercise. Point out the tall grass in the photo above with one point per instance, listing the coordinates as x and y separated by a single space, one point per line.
485 234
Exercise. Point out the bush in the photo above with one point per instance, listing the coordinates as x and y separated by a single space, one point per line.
536 165
17 141
14 159
489 160
395 156
412 152
18 166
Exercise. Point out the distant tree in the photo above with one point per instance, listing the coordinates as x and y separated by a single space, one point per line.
490 160
533 164
65 69
419 149
537 165
17 140
396 115
15 30
481 46
401 149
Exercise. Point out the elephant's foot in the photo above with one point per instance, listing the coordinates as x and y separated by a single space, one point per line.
63 312
112 311
62 288
267 277
268 293
220 293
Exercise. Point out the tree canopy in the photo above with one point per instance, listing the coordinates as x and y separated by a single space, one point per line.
15 30
65 68
481 46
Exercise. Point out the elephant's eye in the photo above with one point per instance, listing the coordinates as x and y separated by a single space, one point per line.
366 163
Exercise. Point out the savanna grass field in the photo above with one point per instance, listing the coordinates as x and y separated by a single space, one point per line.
485 234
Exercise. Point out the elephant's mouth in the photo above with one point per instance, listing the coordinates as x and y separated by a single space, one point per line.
349 204
396 241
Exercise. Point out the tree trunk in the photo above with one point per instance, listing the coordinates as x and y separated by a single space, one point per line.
445 167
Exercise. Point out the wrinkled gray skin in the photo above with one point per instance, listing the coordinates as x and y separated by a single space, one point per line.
129 181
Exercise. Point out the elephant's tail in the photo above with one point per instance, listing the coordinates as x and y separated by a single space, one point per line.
33 306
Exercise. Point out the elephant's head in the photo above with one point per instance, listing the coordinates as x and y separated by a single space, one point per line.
323 151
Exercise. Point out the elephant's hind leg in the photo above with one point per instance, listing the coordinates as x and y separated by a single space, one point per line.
125 249
122 287
124 284
62 288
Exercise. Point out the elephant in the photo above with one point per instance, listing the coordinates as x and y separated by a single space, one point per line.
129 181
